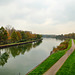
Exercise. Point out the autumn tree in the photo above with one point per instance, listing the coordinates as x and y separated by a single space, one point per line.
29 35
10 29
19 37
34 36
9 37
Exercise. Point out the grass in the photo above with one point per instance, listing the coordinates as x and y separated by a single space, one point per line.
13 43
17 43
68 67
51 60
74 41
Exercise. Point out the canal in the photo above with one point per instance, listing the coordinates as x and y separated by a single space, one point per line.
18 60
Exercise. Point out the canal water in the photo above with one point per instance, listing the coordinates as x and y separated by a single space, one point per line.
18 60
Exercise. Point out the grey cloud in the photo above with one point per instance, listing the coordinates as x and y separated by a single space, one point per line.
36 5
38 20
32 5
70 11
66 15
42 15
33 18
4 2
19 16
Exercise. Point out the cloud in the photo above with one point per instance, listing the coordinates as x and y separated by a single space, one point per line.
70 11
5 2
39 16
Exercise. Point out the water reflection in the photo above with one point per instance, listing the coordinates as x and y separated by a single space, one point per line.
3 58
37 43
15 51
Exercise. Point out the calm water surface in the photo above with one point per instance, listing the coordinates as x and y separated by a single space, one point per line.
18 60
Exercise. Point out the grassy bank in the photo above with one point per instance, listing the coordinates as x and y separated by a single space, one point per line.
74 41
68 67
51 60
14 44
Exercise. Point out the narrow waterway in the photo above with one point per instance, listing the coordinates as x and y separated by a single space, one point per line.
18 60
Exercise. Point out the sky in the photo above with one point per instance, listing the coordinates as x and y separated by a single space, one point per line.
39 16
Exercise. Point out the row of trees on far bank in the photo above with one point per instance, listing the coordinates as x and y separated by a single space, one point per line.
70 36
62 36
9 35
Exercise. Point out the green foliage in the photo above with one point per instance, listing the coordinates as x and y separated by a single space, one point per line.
39 36
14 36
20 49
19 37
70 36
51 60
68 67
24 36
10 35
3 35
74 41
3 58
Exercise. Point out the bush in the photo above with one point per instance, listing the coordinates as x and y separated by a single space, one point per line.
62 46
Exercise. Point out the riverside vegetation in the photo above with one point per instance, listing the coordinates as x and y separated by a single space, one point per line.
12 36
51 60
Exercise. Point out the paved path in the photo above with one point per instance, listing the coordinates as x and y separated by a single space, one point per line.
60 62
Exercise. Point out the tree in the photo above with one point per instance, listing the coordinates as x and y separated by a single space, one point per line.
3 35
24 36
14 36
29 35
39 36
19 35
9 37
3 58
9 29
34 36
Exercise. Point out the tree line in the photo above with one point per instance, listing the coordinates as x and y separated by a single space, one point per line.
66 36
62 36
11 35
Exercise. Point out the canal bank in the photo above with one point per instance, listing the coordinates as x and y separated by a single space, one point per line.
21 43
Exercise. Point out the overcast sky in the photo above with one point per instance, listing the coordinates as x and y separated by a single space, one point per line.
39 16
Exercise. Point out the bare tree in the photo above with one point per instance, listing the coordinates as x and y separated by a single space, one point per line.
10 29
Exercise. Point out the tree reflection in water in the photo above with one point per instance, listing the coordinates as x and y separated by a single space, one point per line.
37 43
15 51
3 58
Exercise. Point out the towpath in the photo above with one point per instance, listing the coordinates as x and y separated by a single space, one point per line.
60 62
